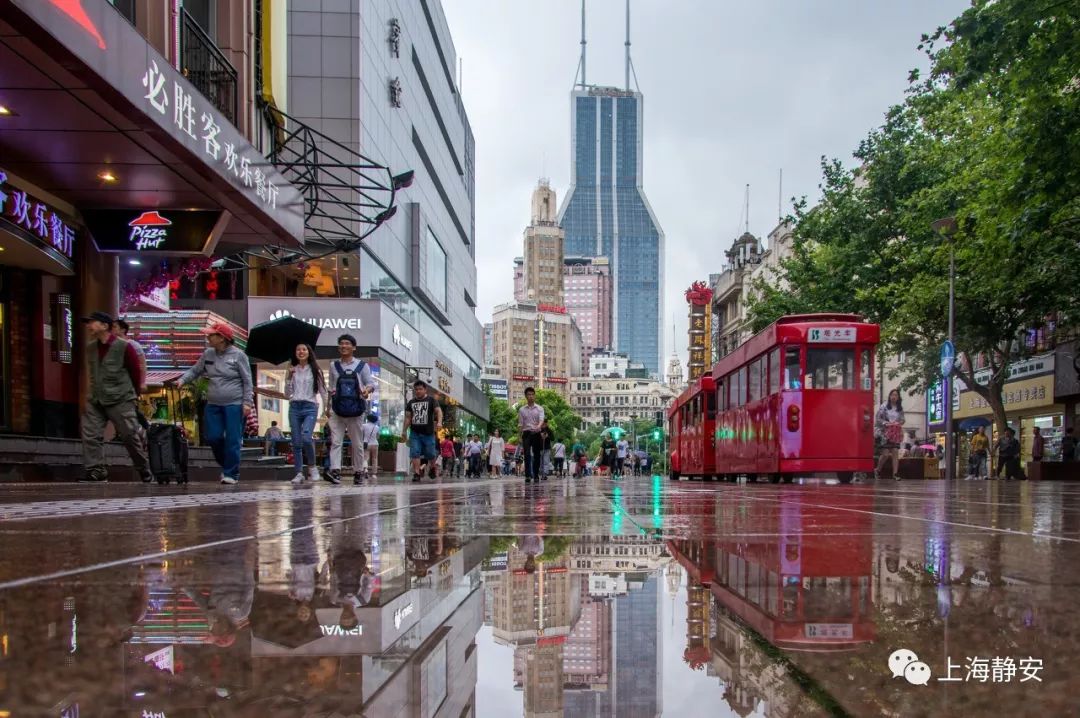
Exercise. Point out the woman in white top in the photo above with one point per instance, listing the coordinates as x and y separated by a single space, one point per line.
304 387
495 447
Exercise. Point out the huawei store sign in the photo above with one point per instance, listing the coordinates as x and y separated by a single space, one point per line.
322 322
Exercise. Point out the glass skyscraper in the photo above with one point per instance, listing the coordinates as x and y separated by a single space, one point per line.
605 214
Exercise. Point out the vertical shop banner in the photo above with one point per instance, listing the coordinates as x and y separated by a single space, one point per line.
699 297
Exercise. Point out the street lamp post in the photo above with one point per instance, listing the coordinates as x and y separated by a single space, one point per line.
946 227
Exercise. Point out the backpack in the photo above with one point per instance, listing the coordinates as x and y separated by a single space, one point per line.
348 399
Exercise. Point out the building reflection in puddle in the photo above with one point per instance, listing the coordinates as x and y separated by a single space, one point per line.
351 617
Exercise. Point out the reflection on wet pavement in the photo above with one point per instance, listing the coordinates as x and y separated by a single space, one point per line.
591 598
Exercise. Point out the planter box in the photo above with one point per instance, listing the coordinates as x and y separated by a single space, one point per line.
387 461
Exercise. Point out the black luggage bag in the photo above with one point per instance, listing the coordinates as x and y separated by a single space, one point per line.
167 447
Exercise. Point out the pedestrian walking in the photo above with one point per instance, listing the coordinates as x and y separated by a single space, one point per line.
1068 445
371 448
423 418
608 454
888 432
531 447
1038 445
122 330
496 447
475 450
448 455
622 451
351 384
229 398
545 463
459 456
115 375
558 458
1008 451
305 387
580 456
980 454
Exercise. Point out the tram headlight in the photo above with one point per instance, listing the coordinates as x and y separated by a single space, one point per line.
793 418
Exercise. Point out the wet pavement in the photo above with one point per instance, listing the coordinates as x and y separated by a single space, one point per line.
641 597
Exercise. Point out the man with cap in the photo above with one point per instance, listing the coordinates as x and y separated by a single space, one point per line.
228 400
115 376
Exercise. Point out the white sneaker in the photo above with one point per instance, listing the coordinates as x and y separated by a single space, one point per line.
227 480
313 473
299 478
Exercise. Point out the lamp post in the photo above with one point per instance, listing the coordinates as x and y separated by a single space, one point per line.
946 227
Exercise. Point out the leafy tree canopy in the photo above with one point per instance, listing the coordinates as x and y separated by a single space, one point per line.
990 137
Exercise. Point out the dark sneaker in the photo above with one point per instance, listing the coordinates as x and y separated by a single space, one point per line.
358 480
95 476
333 476
528 480
147 476
416 478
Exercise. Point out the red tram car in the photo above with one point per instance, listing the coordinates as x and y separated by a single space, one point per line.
794 400
809 590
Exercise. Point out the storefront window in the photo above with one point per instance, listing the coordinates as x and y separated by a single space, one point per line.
333 276
435 276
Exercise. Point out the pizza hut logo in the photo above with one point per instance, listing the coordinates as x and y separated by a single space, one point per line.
149 230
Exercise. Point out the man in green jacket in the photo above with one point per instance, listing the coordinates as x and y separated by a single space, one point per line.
115 372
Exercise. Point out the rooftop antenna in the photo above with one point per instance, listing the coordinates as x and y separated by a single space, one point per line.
581 62
747 207
780 199
628 45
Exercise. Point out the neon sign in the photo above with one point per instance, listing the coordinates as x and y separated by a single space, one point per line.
403 612
336 630
149 230
36 217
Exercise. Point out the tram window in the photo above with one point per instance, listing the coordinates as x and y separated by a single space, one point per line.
790 596
772 593
866 370
774 371
830 368
710 405
826 598
792 370
721 395
755 380
740 393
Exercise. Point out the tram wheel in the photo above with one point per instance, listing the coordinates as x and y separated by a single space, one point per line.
845 476
674 476
774 478
788 478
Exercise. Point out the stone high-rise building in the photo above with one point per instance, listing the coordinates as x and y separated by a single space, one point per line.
535 348
543 263
587 292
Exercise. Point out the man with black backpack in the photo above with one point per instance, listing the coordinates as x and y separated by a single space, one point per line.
351 384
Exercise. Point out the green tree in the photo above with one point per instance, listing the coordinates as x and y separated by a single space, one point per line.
990 137
560 417
500 416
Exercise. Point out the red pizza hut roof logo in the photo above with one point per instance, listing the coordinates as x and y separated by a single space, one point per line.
149 230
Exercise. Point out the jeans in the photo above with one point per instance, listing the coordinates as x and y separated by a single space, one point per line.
302 415
533 446
474 465
224 430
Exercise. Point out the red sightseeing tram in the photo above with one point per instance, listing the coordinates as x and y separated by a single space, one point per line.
796 399
692 430
808 590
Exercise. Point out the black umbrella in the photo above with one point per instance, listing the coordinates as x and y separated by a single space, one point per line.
275 341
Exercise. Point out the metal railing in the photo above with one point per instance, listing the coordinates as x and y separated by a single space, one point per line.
206 67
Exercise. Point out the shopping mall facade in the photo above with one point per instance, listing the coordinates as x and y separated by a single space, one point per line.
140 146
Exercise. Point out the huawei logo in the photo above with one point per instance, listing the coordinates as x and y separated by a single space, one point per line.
280 314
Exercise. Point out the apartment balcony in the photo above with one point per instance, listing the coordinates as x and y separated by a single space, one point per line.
207 68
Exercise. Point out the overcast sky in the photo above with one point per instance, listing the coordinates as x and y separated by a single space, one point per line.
734 91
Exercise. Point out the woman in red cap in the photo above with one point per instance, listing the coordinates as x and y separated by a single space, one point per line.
229 398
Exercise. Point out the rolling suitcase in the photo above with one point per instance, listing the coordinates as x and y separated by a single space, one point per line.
167 447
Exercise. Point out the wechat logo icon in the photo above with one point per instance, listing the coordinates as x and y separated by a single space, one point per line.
904 663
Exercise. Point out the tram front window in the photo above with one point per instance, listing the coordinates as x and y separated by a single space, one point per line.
826 598
830 368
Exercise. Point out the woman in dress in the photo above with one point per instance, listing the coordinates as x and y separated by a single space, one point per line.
495 447
304 387
888 432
